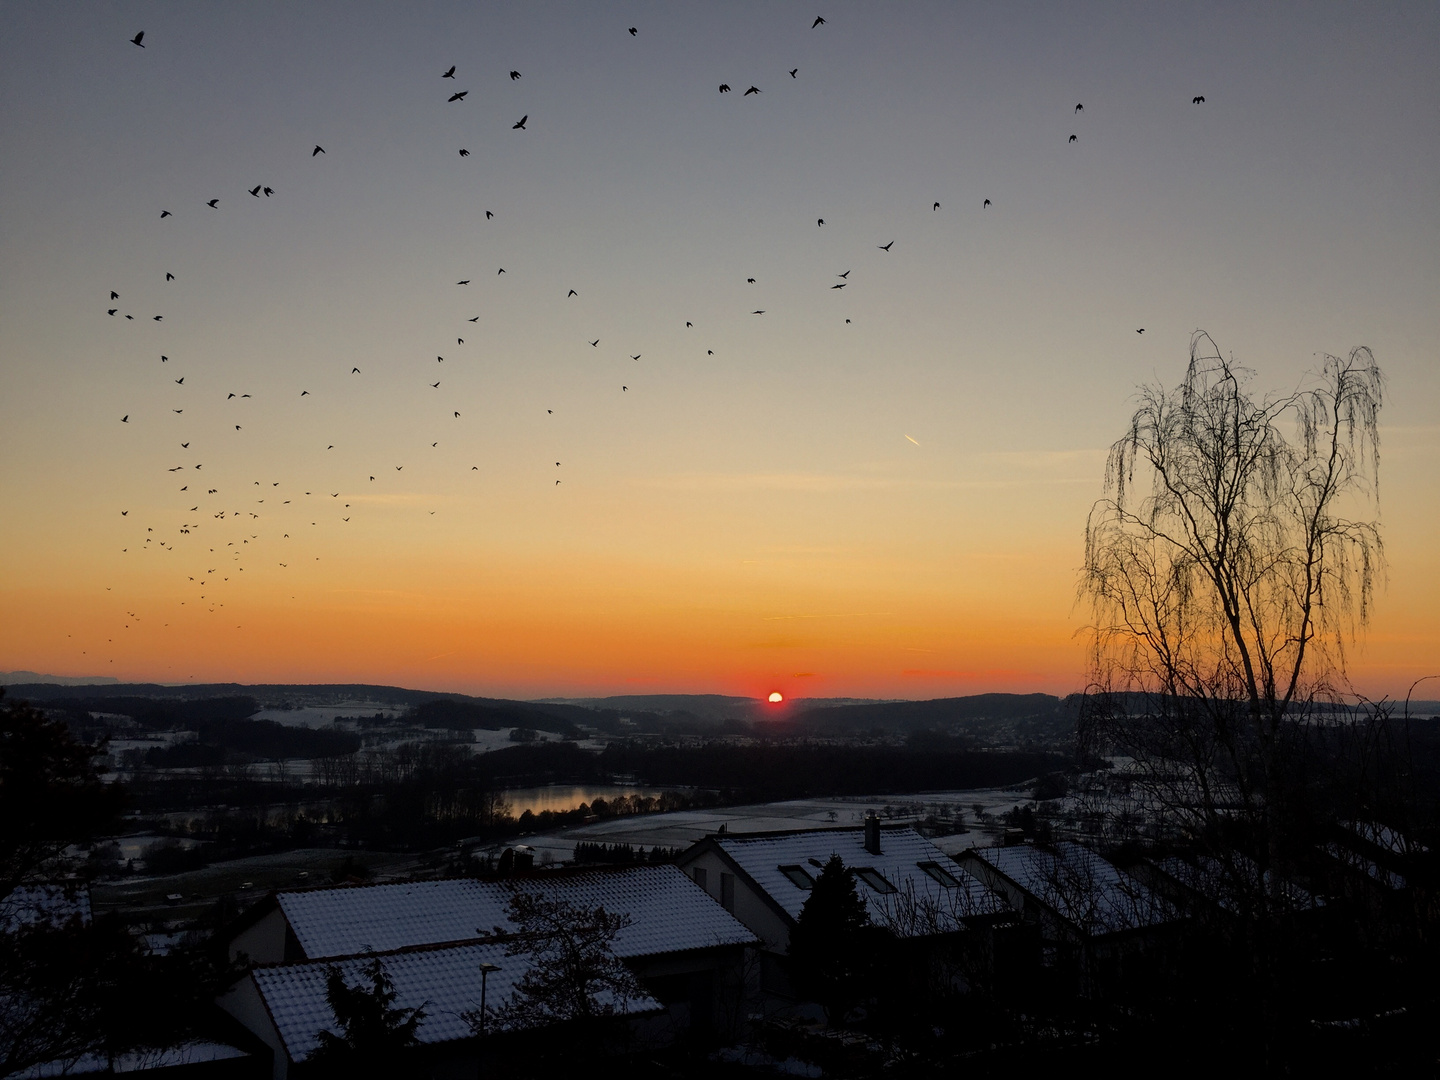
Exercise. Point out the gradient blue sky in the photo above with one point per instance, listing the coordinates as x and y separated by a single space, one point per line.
890 507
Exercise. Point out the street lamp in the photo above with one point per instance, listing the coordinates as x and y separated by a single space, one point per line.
485 970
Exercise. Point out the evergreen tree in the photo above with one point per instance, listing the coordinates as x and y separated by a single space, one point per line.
831 944
374 1033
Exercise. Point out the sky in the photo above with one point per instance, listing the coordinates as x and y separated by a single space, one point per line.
878 490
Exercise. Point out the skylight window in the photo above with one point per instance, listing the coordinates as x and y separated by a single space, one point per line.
798 877
938 873
874 879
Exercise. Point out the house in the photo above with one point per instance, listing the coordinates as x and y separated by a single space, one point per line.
433 937
910 887
49 905
1097 924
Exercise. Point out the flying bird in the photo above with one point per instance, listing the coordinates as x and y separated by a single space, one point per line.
987 203
935 207
164 213
1074 137
750 280
256 190
724 88
595 343
688 325
886 247
794 72
500 271
752 90
459 96
571 293
760 312
1198 100
181 382
457 416
436 385
269 192
632 358
114 295
465 282
125 419
464 152
846 274
840 286
1140 331
139 39
159 317
1079 107
819 221
633 31
819 21
476 319
229 396
169 276
318 150
113 310
355 371
514 75
214 204
449 74
519 125
488 215
304 393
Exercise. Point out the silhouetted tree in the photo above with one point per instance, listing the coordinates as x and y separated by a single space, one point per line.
831 943
572 975
374 1032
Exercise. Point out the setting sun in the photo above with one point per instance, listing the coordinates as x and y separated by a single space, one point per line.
776 697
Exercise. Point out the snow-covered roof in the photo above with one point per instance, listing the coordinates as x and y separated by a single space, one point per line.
923 902
195 1052
53 905
1386 879
446 981
1234 886
668 912
1080 886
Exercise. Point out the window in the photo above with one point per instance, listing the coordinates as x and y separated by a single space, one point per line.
727 892
874 879
798 877
938 873
701 878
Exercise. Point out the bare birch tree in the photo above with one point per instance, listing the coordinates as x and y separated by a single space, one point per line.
1228 569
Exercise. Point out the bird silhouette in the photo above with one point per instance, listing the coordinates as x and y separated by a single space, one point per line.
886 247
819 21
571 293
519 125
139 39
794 72
500 271
476 319
987 203
459 96
1198 100
256 190
624 388
158 318
457 416
488 215
355 371
125 419
1140 331
464 152
636 357
114 295
595 343
760 312
840 286
269 192
214 204
164 213
1079 107
304 393
181 382
633 31
125 513
435 384
169 276
1073 137
752 90
449 74
465 282
318 150
724 88
750 280
846 274
935 207
514 75
113 310
688 325
819 221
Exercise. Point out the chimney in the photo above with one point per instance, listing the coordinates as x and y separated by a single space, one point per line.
872 834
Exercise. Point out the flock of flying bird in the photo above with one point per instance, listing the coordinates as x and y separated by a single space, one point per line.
205 582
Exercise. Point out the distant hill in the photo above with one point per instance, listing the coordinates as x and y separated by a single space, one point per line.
10 678
981 715
705 706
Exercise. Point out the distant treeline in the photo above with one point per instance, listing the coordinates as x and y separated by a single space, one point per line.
226 741
623 854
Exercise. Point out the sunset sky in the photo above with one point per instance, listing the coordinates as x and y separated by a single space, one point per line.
891 506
